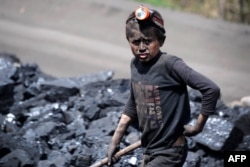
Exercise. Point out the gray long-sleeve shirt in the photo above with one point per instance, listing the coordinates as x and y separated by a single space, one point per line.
159 98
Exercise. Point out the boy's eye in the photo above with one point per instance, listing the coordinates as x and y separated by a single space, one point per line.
147 41
136 42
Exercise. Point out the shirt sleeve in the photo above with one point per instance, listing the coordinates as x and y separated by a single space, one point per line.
130 107
209 90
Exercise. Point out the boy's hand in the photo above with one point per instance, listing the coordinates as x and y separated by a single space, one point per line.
110 154
119 132
191 130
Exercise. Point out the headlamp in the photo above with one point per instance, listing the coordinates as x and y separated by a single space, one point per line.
142 13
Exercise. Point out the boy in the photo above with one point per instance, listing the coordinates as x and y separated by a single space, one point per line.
158 97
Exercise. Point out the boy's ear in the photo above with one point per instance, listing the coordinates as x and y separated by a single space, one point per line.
162 40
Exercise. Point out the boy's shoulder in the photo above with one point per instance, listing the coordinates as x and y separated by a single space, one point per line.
169 58
166 55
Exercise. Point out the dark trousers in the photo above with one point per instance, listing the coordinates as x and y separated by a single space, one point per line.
172 157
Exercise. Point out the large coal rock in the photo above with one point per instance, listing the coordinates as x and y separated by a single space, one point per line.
68 122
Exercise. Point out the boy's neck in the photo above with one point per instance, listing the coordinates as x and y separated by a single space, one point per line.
152 61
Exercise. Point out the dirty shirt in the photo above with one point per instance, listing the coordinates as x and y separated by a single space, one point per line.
159 99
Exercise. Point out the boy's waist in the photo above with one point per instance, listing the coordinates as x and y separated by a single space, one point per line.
180 141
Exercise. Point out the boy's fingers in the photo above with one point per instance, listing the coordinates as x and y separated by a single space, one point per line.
111 161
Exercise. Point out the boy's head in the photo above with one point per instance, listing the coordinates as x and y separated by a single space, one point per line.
144 18
145 33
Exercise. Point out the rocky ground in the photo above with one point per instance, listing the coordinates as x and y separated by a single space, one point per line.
47 121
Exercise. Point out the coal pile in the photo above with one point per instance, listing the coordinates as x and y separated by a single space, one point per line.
68 122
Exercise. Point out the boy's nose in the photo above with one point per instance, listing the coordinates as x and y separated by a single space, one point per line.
142 46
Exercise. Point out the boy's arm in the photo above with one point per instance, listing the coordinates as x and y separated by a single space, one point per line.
119 132
197 128
209 90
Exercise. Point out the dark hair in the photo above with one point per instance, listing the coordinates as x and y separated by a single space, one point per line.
155 21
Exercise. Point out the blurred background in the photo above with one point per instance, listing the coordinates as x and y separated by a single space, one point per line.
69 38
229 10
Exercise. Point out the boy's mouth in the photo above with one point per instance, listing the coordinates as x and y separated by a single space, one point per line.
142 56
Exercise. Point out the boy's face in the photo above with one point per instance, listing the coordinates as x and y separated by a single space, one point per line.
144 43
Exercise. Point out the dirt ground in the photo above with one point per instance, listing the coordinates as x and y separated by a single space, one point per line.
71 38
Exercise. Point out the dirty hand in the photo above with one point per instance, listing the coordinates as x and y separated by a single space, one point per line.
111 152
192 130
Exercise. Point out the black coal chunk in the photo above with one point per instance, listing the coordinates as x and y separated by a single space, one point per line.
68 122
